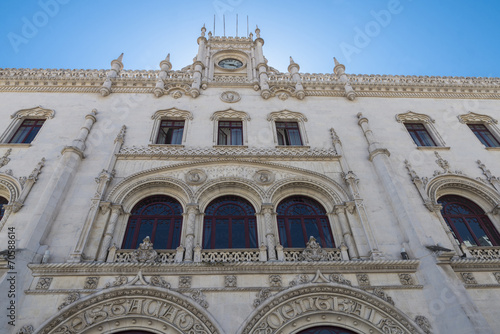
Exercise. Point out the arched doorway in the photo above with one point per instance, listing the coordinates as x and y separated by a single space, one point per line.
326 330
468 222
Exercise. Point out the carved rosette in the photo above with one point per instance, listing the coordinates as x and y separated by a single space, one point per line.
264 177
230 97
195 177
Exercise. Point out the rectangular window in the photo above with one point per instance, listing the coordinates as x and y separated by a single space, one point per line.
27 131
288 133
230 133
170 132
420 135
484 135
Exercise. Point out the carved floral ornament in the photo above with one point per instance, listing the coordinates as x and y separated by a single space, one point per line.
411 116
34 112
472 117
168 308
329 305
230 114
286 115
172 113
230 97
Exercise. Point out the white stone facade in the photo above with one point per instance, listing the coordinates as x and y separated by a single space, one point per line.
72 188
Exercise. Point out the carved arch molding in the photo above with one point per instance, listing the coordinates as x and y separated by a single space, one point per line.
147 309
294 310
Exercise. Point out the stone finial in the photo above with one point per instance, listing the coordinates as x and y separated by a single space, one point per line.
117 64
291 60
257 31
165 64
203 30
336 61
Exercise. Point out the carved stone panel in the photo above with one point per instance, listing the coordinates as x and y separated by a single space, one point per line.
44 283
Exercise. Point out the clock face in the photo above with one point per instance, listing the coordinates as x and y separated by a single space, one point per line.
230 63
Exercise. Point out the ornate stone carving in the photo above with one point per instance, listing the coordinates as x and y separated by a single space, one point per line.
159 282
411 116
286 115
71 298
442 163
363 279
230 97
299 279
264 177
497 276
313 251
27 329
172 113
145 253
91 283
490 177
230 113
406 279
34 112
390 327
472 117
5 159
469 278
195 177
230 281
261 296
423 323
340 279
275 281
44 283
119 280
199 297
185 281
34 174
381 294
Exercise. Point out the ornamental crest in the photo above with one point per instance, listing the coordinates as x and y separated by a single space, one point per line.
145 253
230 97
313 251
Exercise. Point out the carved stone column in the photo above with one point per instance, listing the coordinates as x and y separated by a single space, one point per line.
267 211
116 211
346 231
8 208
192 211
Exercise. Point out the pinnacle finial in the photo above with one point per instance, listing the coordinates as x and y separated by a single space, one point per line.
291 60
168 57
120 58
336 61
257 31
203 30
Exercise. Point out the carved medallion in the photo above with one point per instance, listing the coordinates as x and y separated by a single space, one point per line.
196 176
264 177
230 97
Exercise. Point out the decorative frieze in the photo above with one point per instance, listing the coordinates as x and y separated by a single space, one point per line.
44 283
91 283
230 281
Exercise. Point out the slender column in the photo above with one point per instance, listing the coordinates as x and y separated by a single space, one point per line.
293 69
102 180
267 210
346 231
198 64
339 70
8 208
116 211
192 211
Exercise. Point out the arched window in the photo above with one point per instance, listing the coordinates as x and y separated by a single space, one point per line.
468 222
299 218
160 218
3 201
326 330
229 223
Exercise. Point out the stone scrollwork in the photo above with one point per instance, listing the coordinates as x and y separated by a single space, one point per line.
363 279
382 295
195 177
145 253
469 278
340 279
199 297
261 296
119 280
71 298
264 177
43 283
230 97
91 283
159 282
472 117
423 323
406 279
313 251
275 281
28 329
299 279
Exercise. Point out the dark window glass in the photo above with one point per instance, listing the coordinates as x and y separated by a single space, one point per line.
3 201
27 131
484 135
326 330
230 133
170 132
468 222
288 133
158 217
419 134
300 218
229 223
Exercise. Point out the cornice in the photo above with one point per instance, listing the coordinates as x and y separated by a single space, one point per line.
85 269
474 264
142 81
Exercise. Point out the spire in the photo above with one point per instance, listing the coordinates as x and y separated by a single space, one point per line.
120 58
291 61
167 58
203 30
336 61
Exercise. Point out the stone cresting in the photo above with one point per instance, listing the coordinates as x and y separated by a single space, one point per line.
335 303
169 308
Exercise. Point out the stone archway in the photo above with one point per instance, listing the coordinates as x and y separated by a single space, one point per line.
146 309
305 306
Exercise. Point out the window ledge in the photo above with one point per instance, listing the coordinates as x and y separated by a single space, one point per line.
229 146
15 144
293 146
163 145
433 147
492 148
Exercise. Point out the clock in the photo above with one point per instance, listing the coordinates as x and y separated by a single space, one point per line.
230 63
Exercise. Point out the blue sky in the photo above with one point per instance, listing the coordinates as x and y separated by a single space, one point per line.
410 37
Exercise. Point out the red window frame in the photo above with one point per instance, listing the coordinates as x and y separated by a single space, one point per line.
170 132
230 133
158 213
27 131
419 134
221 218
291 211
466 220
287 138
484 135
